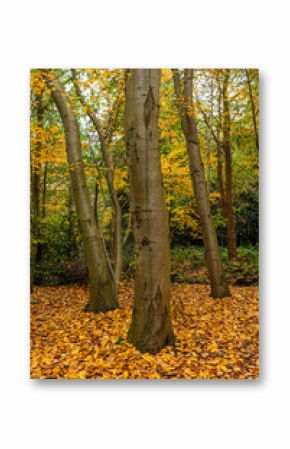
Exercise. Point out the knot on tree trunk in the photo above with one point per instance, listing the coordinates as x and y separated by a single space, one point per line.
149 106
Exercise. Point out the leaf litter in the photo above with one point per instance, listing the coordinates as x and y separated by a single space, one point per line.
215 338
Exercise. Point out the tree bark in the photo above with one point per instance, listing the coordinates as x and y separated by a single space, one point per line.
217 138
151 327
208 147
103 296
128 229
220 177
36 190
96 199
44 190
39 253
72 238
117 211
253 108
231 234
219 287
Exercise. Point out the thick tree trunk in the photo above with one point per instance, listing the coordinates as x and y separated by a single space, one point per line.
103 295
219 287
231 234
151 327
253 108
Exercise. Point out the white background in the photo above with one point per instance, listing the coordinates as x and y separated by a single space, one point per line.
145 414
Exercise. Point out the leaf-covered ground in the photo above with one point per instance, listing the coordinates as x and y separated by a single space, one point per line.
214 338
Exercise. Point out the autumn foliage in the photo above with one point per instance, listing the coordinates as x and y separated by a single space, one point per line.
214 339
143 178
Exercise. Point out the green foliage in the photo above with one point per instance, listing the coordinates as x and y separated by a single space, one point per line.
58 259
244 269
188 266
129 264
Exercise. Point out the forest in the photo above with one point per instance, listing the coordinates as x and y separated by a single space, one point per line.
144 208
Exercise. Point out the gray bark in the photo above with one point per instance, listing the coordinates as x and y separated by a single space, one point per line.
103 295
104 140
231 233
151 327
253 108
36 192
219 287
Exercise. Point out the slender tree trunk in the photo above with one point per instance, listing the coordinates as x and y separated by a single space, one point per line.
36 190
220 177
128 229
217 138
34 227
103 295
116 230
208 162
96 199
44 190
253 109
42 212
219 287
231 234
72 237
151 327
117 211
208 147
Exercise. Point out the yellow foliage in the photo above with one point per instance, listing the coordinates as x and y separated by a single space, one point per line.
67 343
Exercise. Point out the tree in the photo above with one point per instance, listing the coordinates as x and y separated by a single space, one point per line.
103 295
208 140
105 140
36 187
231 234
253 108
219 287
220 177
151 327
183 217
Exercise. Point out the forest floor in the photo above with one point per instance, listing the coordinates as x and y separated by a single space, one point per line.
215 338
